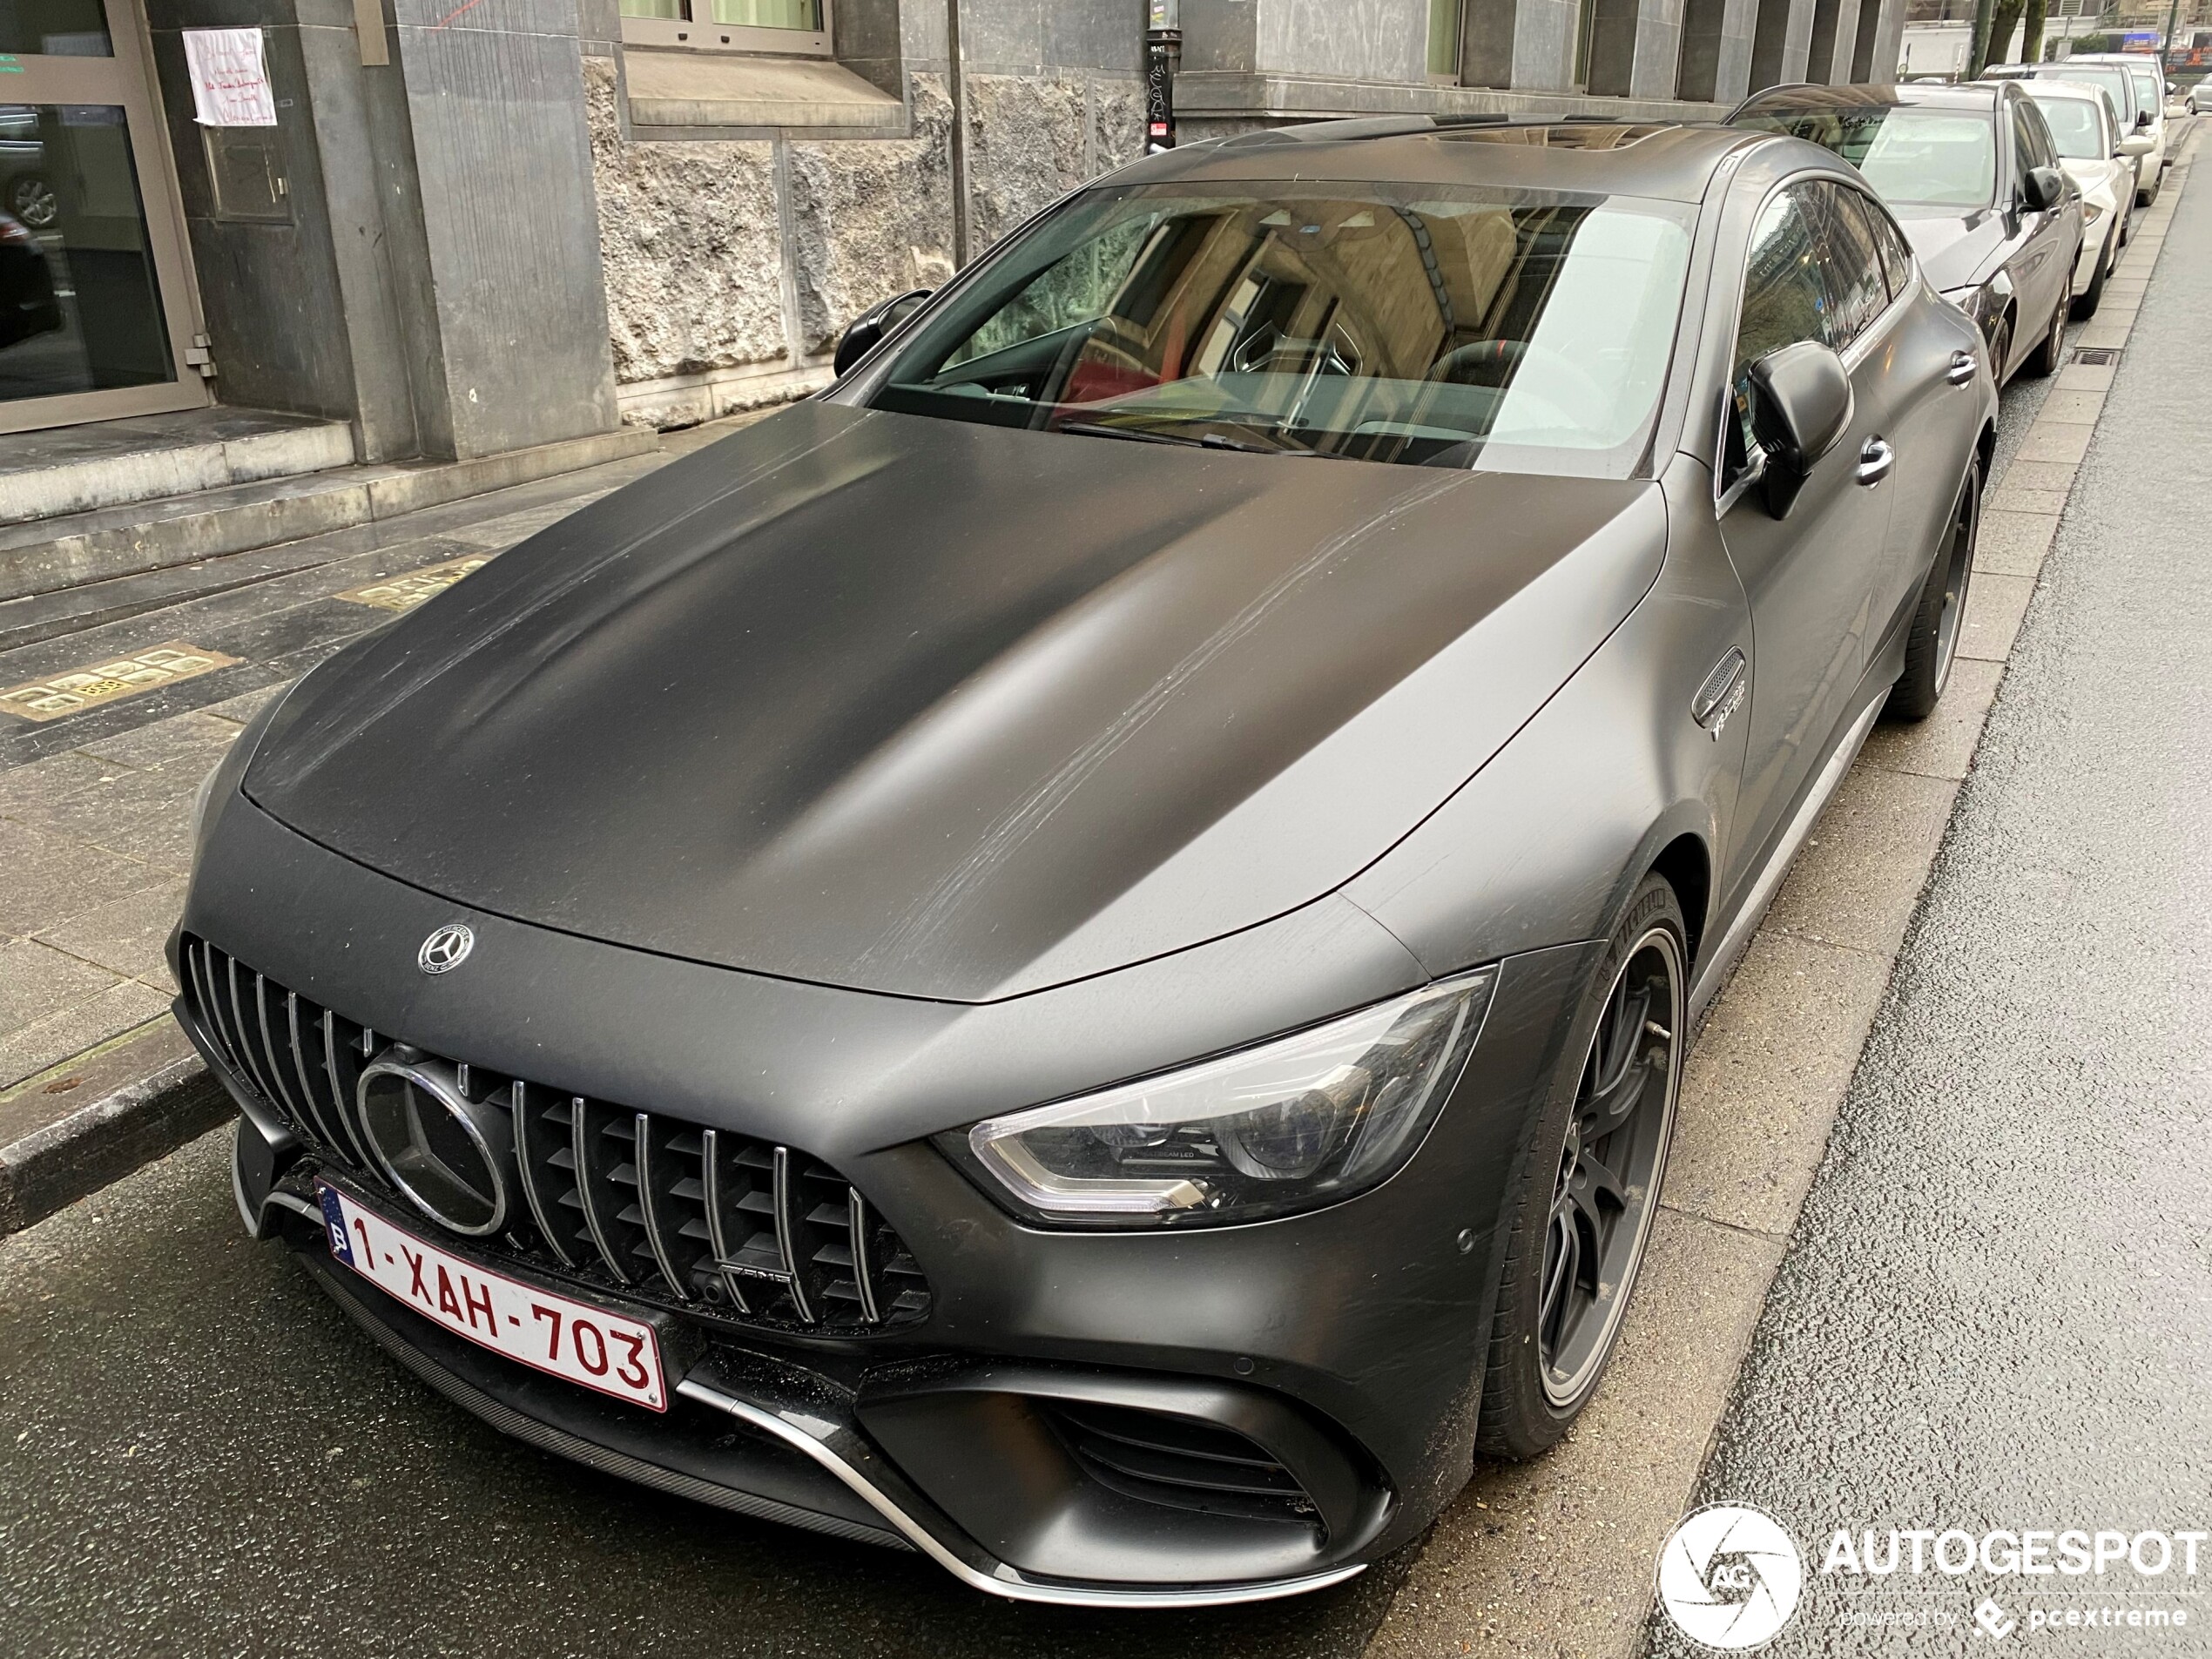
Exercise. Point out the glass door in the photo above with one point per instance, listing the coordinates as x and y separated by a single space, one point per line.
95 303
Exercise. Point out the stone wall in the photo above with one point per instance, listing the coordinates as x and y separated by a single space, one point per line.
1032 138
689 239
733 264
870 217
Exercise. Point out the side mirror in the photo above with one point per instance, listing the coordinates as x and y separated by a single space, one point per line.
2043 188
867 330
2142 117
1801 408
2136 144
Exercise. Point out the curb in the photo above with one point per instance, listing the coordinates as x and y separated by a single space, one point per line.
1557 1555
149 1095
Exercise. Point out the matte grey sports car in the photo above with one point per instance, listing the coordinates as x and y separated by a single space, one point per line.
1076 953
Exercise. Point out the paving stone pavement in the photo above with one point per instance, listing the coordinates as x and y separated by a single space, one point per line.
96 806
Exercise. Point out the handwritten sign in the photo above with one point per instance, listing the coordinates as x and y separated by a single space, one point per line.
230 78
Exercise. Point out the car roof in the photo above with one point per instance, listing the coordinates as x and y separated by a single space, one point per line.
2056 69
1665 161
2049 87
1970 94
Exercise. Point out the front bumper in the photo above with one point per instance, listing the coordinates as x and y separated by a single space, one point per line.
1344 1343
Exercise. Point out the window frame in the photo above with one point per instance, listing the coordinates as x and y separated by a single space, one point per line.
686 34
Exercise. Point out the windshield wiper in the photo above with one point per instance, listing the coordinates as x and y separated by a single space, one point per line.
1204 441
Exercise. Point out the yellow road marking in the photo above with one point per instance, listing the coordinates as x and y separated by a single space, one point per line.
405 592
104 682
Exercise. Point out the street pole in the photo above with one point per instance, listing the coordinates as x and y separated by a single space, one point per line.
1162 53
2166 45
1978 52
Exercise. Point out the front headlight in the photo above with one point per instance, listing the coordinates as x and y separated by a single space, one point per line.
1974 301
1985 304
1304 1120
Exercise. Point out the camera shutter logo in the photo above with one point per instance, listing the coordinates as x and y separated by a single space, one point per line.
1730 1577
447 948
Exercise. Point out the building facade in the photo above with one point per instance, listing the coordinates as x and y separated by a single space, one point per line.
469 226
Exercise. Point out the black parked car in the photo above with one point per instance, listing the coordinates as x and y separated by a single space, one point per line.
1078 953
1973 177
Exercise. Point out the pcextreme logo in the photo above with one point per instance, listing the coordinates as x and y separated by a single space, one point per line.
1730 1577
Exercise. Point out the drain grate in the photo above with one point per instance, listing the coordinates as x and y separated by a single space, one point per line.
2098 356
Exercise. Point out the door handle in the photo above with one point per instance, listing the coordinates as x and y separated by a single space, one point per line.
1875 461
1963 365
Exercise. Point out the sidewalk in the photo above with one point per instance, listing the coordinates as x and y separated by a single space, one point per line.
96 801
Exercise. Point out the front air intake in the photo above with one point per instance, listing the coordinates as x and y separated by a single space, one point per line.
1179 1462
700 1219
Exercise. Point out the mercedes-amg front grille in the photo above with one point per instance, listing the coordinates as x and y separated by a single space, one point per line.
701 1219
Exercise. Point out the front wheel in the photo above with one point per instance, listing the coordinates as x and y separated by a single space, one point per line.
1587 1198
32 201
1933 644
2051 349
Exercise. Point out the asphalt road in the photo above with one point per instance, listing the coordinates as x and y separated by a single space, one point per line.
201 1457
1997 1307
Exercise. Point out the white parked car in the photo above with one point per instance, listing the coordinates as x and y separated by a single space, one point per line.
2147 76
2200 98
2102 163
2114 74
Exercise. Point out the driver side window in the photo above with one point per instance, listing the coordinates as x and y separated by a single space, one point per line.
1785 300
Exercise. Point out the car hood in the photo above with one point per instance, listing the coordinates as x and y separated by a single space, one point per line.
952 711
1955 249
2099 180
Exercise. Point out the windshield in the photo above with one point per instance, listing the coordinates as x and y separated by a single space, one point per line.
2111 76
2147 88
1948 157
2074 128
1512 330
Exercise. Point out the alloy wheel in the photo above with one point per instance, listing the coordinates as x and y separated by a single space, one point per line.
33 203
1609 1168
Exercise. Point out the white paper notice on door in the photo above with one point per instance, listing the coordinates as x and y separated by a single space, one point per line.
230 78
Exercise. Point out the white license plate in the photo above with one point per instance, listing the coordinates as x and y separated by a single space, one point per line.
586 1344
